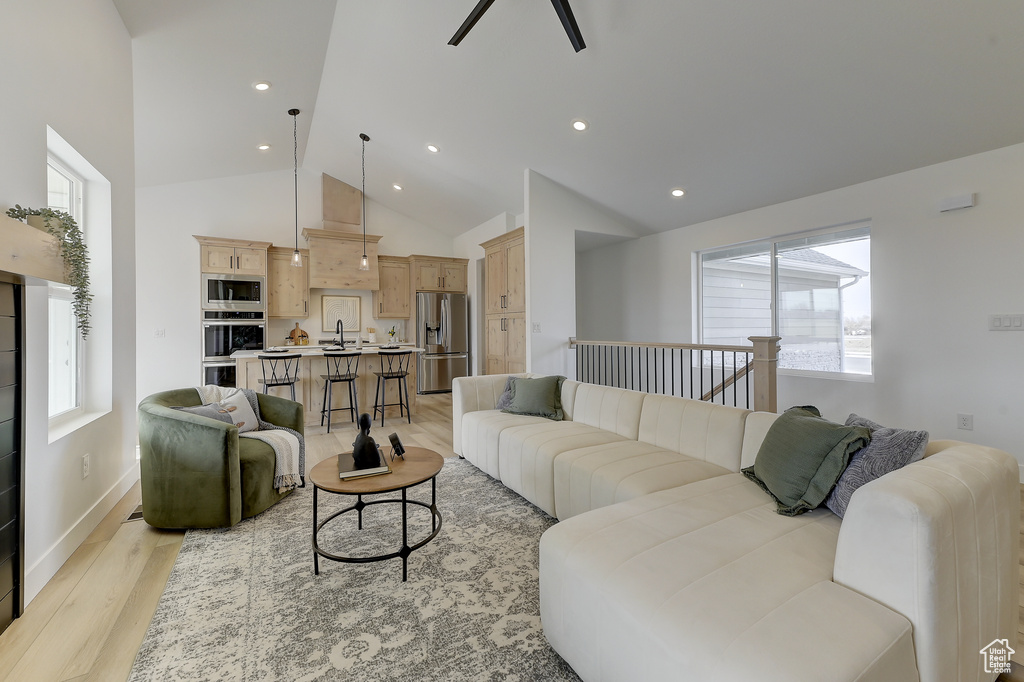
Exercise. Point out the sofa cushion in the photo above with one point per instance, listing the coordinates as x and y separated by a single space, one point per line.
600 475
527 453
890 449
612 409
755 428
479 436
659 587
699 429
536 397
802 457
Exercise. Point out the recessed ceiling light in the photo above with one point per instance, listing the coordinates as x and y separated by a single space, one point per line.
263 147
398 188
678 192
261 85
579 124
433 148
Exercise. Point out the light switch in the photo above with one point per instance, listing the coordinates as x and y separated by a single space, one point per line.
1006 323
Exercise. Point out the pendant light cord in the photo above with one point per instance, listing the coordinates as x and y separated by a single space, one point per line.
362 197
295 158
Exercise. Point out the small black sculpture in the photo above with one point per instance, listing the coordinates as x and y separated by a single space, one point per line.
364 449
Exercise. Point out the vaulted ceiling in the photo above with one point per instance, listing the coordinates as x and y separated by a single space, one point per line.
742 104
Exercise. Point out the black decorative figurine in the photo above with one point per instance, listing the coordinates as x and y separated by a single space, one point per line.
364 449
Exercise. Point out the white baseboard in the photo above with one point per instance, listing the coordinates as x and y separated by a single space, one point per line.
39 573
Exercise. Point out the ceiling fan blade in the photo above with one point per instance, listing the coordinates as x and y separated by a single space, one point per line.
470 21
569 22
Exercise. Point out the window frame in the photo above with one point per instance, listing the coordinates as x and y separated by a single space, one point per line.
771 246
62 292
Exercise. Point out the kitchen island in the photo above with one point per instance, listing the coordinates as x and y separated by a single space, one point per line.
309 389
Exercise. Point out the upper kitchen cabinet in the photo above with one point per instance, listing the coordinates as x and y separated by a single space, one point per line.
393 299
287 286
334 260
232 256
435 273
505 273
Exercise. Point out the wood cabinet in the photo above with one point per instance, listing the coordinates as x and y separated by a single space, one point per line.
505 273
393 299
505 303
431 273
232 256
287 286
505 347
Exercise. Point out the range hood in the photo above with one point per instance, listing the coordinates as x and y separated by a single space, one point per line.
334 260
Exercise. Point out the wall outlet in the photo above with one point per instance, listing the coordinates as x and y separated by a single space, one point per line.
85 465
160 333
965 422
536 327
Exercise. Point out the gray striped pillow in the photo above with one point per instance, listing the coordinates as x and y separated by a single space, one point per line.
890 449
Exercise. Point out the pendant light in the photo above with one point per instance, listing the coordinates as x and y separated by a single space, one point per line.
364 264
296 256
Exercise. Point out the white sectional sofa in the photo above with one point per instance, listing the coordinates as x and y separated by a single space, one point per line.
667 564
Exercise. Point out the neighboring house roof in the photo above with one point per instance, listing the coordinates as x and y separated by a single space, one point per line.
802 260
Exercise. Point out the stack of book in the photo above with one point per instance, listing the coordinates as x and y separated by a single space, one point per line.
347 468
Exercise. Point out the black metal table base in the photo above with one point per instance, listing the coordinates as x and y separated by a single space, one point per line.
406 549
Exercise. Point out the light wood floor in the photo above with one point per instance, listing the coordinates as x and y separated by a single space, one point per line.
90 619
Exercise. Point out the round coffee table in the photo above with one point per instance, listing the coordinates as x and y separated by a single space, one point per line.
420 465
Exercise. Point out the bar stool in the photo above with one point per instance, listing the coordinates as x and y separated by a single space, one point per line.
341 367
394 366
280 370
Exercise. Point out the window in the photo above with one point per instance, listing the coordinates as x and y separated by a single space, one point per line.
812 289
64 193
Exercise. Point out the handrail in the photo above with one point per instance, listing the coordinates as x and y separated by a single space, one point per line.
729 381
573 342
685 369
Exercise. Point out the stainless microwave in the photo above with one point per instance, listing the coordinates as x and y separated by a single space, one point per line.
233 292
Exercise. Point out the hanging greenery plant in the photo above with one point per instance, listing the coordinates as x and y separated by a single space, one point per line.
74 252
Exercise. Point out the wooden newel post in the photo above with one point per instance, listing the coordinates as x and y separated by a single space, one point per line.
766 360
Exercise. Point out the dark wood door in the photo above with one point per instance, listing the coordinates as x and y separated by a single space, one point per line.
11 533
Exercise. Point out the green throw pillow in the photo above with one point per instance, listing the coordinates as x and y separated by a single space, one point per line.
540 397
802 457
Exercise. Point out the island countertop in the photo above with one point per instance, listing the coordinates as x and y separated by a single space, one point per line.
318 350
309 389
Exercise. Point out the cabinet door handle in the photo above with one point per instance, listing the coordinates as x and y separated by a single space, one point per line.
231 262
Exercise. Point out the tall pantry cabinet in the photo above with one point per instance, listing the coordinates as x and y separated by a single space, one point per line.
505 303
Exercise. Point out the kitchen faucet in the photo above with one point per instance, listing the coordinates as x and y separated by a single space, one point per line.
339 329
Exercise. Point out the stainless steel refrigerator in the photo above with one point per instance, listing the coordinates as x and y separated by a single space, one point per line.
442 329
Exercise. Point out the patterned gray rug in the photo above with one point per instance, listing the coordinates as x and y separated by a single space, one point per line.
242 604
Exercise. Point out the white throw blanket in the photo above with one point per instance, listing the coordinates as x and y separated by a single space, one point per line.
289 446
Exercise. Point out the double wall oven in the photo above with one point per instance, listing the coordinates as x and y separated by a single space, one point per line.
234 317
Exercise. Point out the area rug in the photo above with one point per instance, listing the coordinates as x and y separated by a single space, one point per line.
242 604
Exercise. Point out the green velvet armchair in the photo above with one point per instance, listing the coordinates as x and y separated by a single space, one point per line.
196 471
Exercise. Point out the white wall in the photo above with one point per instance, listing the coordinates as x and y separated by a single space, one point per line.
553 216
467 245
260 206
935 279
69 64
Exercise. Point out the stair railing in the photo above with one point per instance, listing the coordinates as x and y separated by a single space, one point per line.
742 376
